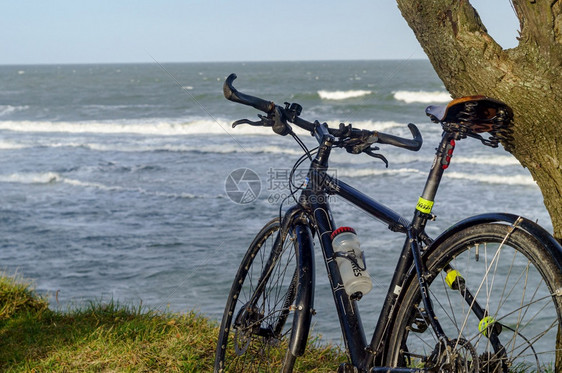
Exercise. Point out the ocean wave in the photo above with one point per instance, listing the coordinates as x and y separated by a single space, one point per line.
8 109
409 158
89 184
524 180
167 127
216 149
5 145
106 107
156 128
117 188
53 177
374 172
422 96
498 160
342 95
143 147
378 125
31 178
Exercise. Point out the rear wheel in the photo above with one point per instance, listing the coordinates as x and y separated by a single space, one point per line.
493 290
257 321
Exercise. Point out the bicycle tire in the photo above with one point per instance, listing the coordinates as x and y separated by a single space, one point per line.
254 337
512 277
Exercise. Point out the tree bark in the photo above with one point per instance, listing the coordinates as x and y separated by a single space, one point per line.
528 77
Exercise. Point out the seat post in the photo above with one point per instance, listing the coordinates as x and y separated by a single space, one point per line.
441 162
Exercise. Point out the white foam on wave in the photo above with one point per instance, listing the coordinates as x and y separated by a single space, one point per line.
167 128
8 109
31 178
163 128
132 147
498 160
342 95
422 96
218 149
89 184
152 128
374 172
406 158
524 180
5 145
377 125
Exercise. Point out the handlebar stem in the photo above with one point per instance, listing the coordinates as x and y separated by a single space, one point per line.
322 133
326 141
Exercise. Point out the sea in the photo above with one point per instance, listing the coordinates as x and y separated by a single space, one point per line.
116 180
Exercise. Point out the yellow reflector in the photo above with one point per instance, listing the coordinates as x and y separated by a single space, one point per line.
484 324
451 277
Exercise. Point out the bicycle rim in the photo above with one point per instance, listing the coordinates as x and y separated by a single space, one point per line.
257 322
512 279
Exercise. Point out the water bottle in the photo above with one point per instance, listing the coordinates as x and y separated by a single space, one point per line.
349 257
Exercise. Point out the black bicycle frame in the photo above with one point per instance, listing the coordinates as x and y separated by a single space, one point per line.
314 202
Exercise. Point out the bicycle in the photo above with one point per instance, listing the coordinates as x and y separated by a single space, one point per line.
484 296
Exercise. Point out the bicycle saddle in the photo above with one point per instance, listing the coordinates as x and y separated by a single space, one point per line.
478 113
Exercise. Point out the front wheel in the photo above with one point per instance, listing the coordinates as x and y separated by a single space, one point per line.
257 321
494 291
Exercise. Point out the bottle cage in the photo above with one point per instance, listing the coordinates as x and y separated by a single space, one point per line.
473 116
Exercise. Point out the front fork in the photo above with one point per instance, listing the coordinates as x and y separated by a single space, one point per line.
295 224
304 301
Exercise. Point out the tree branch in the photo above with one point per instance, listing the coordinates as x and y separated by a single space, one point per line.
444 18
537 20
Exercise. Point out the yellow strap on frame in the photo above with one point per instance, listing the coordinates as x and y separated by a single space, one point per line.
424 205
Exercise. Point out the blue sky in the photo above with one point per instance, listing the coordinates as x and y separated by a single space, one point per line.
97 31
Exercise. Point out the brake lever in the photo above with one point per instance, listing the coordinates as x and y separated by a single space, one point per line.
263 122
369 151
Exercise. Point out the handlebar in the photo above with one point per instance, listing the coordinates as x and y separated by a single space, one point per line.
232 94
413 144
291 114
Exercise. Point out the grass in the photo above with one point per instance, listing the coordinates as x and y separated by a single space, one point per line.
108 337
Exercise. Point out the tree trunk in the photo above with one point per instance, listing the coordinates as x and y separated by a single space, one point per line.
528 78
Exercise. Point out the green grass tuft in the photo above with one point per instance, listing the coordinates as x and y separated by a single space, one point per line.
16 298
108 337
